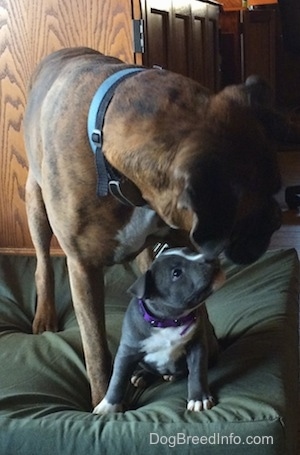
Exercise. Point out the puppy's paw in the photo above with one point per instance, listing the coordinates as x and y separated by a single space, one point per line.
199 405
104 407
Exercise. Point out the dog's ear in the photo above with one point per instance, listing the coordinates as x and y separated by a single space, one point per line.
209 195
143 287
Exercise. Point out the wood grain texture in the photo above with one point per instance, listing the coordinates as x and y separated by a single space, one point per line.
30 30
232 5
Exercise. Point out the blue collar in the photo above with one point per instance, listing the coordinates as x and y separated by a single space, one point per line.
186 321
109 180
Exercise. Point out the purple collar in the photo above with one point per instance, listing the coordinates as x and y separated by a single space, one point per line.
186 321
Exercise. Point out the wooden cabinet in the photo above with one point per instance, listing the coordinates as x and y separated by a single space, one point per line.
29 31
180 35
183 37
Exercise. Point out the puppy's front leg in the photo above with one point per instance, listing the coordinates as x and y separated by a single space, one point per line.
199 396
124 365
87 284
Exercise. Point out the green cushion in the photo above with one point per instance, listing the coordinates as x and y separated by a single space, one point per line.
44 392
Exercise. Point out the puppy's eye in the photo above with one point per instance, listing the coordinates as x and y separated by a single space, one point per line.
176 273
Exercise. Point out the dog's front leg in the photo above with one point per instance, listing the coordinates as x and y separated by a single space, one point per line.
87 284
199 396
124 365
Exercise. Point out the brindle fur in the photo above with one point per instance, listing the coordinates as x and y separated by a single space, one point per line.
201 161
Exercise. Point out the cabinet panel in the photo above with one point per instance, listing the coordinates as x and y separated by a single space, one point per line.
157 33
212 48
182 38
199 11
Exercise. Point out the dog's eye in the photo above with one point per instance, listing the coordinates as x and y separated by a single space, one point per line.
176 273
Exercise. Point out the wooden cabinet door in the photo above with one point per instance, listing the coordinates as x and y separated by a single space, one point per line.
167 35
183 36
158 24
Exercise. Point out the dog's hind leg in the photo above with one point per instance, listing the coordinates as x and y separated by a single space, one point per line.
41 234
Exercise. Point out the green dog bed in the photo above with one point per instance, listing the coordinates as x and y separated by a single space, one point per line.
45 403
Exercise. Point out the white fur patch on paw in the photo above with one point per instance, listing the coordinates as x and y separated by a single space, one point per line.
198 405
104 407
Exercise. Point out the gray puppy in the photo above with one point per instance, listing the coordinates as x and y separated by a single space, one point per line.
166 329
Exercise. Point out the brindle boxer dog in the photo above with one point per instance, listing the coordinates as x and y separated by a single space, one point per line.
201 162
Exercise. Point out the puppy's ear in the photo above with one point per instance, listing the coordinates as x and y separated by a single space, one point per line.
143 287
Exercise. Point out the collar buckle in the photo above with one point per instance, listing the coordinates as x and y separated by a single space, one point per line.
96 137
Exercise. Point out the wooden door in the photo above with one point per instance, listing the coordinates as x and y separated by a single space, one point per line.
31 29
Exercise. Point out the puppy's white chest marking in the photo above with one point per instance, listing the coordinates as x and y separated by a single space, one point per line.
144 222
165 346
